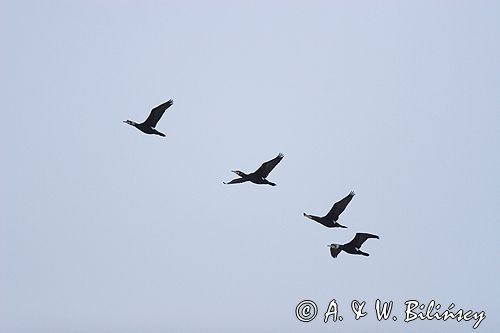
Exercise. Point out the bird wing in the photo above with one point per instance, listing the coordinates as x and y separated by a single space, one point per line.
339 207
156 113
360 238
334 252
268 166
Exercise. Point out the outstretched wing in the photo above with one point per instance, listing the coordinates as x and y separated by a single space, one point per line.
339 207
360 238
156 113
268 166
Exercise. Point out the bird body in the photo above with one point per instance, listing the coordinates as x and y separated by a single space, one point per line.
148 126
260 175
353 247
330 219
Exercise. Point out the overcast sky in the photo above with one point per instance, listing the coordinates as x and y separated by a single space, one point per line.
106 229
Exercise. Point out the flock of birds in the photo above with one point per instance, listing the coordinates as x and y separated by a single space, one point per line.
259 177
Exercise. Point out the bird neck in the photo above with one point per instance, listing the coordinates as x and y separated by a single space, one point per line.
241 174
313 217
316 218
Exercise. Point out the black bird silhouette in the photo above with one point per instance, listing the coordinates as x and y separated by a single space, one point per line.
148 126
330 219
353 246
259 176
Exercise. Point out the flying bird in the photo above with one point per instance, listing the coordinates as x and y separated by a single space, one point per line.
259 176
330 219
148 126
353 246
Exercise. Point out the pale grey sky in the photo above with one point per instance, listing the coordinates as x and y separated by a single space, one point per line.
105 229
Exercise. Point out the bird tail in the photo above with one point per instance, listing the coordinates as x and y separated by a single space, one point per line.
341 226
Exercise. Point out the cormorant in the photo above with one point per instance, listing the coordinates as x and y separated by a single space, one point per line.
330 219
353 246
259 176
148 126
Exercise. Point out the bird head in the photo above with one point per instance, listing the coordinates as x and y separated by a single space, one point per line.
335 249
239 173
130 122
308 216
312 217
